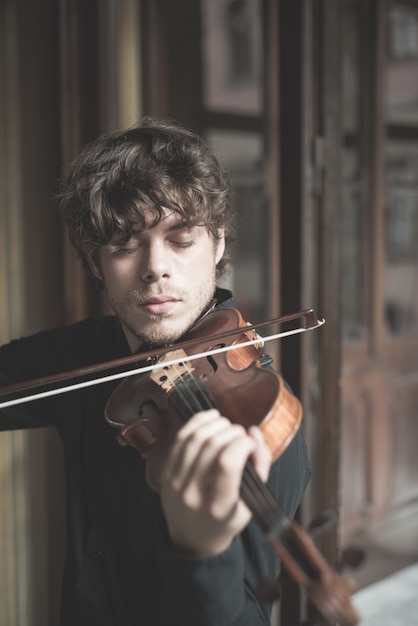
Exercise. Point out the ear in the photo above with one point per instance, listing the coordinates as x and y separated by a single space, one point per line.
220 245
93 261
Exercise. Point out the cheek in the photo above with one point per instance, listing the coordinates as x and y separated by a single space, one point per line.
206 256
200 270
116 275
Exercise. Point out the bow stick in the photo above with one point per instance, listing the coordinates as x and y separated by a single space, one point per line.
310 322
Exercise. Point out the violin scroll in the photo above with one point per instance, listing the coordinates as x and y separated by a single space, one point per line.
327 590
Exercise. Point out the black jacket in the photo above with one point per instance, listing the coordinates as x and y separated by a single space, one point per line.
121 569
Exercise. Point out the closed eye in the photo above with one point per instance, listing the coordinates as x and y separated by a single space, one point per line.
182 244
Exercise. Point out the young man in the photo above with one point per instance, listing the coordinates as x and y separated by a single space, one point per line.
149 212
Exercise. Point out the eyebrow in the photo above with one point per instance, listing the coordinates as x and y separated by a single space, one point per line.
180 226
174 227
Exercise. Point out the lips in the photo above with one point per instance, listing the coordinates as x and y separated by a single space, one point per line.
159 304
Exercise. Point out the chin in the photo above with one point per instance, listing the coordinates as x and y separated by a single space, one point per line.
159 337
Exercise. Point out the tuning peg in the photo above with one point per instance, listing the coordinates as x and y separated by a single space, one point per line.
352 556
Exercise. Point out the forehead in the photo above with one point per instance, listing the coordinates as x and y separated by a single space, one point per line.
169 219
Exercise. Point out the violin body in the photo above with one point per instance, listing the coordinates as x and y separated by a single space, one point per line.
148 410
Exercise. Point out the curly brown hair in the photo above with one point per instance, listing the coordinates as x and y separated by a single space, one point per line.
121 177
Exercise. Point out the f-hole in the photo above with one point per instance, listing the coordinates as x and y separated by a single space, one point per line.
210 358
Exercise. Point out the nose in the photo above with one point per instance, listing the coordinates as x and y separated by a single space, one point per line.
155 262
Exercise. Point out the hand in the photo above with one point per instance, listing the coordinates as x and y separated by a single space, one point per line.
201 482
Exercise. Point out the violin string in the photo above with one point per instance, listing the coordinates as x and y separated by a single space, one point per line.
254 492
256 495
267 512
275 523
192 398
179 390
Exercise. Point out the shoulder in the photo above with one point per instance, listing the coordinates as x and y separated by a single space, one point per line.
86 342
90 340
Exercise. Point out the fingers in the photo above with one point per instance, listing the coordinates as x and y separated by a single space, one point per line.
261 456
200 487
207 458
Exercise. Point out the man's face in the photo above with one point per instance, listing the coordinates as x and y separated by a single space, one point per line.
161 280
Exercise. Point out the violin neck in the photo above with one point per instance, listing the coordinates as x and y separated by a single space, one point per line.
273 521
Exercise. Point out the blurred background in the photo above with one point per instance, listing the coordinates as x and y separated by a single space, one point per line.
312 106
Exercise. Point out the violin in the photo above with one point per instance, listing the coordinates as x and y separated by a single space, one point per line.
218 364
147 410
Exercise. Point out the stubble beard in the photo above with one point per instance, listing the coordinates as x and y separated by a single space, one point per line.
155 335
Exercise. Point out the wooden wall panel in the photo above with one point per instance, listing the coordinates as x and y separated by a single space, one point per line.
30 289
404 432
